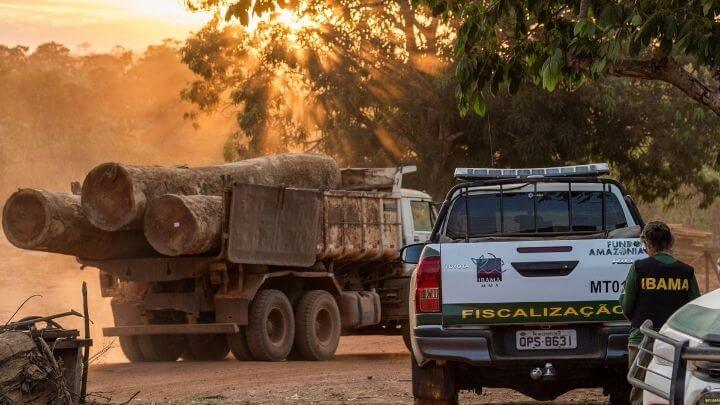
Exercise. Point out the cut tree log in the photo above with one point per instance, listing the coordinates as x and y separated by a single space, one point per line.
54 222
184 225
115 195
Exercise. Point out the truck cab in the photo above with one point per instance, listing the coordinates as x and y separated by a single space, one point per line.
518 285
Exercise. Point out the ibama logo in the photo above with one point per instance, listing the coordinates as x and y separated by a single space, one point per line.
489 268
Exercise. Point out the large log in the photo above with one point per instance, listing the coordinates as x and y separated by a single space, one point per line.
114 195
54 222
184 225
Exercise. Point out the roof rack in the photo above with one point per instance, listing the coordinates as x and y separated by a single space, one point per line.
589 170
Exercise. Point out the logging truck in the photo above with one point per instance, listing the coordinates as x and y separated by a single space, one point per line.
296 268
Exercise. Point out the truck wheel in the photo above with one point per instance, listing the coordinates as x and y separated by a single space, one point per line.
161 347
317 326
620 397
405 329
131 349
239 346
211 347
433 384
271 328
620 391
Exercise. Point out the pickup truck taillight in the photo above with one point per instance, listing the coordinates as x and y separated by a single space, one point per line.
427 294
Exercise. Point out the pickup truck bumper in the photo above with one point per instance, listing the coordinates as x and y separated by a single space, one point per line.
598 344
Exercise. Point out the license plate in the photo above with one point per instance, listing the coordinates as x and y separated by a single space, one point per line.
546 339
710 398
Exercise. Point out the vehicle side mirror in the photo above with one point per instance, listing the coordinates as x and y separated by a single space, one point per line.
410 254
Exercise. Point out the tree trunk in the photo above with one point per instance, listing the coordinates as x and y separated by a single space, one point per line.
115 195
184 225
54 222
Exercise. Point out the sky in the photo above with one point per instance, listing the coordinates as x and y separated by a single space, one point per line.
102 24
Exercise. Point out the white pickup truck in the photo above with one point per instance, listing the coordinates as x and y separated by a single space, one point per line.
518 285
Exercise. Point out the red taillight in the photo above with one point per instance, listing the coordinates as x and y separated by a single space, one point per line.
427 294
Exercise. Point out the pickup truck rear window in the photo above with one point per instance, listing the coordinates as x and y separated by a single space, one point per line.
557 211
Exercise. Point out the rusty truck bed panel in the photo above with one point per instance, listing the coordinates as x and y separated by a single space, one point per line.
297 227
360 226
273 225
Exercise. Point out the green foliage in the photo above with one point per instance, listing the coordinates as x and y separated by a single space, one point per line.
532 41
368 97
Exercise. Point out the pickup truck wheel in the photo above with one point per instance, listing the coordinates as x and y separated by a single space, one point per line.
317 326
433 384
211 347
131 349
620 391
239 346
161 347
618 398
405 330
271 328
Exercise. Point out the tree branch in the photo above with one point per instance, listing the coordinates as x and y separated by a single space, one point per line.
409 23
665 70
584 5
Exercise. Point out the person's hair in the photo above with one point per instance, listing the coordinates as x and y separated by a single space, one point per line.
657 234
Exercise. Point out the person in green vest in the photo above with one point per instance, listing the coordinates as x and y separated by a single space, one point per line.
655 288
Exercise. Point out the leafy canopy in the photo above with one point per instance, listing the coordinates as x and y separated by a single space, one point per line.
549 42
373 84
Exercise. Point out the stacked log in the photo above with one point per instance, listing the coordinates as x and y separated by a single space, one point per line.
184 225
114 195
184 207
54 222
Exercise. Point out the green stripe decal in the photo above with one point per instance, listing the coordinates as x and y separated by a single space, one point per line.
531 312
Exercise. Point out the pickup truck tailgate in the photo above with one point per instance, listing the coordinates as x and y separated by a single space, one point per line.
535 282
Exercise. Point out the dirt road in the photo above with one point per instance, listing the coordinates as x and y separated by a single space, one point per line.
367 369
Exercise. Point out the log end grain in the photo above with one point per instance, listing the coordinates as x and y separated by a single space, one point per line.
184 225
26 218
109 198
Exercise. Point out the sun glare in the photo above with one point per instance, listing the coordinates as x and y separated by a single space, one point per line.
292 21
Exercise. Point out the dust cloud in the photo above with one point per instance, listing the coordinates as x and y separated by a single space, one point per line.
61 115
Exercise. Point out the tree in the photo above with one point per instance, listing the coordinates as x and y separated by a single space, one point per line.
549 42
365 82
374 85
61 114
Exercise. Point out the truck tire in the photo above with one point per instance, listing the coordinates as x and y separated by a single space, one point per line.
620 397
161 347
619 391
271 327
405 330
131 349
239 346
433 384
317 326
210 347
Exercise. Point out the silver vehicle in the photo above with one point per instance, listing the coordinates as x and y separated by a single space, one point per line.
684 366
